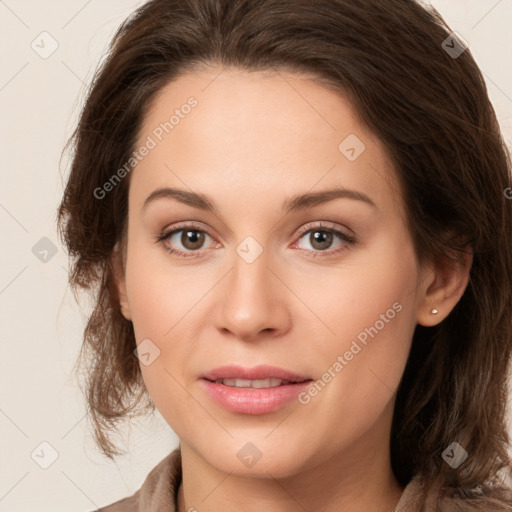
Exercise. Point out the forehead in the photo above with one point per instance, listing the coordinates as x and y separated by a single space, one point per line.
257 130
257 101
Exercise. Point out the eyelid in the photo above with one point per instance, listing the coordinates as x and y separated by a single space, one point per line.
182 226
310 225
186 224
327 225
348 238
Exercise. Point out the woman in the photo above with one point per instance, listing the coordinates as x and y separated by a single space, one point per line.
293 214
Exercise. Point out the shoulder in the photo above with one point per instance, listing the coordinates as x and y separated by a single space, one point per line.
158 491
489 500
418 497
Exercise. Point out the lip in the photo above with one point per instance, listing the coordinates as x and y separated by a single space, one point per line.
255 373
253 401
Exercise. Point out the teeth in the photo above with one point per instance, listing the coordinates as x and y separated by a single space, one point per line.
244 383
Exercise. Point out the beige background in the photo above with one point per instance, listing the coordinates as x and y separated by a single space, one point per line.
41 324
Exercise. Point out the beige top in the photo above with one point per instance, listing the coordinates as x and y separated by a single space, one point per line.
159 493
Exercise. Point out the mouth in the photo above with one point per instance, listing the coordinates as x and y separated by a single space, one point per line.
271 382
253 391
262 376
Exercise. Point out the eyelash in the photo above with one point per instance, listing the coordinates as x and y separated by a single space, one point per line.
349 240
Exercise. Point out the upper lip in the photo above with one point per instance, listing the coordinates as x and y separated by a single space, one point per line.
255 373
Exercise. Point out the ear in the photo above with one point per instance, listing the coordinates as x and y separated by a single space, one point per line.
442 286
119 276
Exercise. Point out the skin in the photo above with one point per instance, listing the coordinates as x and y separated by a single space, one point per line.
253 141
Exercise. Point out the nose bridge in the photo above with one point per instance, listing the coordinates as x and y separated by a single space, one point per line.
250 266
250 278
251 302
250 272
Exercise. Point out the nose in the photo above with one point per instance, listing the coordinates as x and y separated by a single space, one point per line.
253 301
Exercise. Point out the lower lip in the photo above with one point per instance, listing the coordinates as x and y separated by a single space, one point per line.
253 400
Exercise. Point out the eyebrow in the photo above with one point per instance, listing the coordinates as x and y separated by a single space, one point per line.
295 203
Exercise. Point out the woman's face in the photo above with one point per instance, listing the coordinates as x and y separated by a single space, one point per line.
263 277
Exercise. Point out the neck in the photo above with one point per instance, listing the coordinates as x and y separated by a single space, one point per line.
279 496
353 479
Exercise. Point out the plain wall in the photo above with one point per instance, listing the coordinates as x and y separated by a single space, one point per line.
42 326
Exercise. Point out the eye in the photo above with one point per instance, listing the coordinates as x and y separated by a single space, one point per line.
322 236
188 240
184 240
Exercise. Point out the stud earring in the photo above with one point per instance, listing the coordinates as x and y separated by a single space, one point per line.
434 311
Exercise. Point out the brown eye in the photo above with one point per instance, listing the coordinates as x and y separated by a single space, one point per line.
185 241
320 240
192 239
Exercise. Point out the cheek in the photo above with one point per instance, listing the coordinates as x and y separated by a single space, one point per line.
159 317
373 289
164 303
160 294
368 314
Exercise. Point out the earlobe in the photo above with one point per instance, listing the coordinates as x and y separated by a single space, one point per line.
125 307
443 289
118 269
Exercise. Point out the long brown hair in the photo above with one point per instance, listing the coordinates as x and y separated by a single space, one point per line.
430 109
